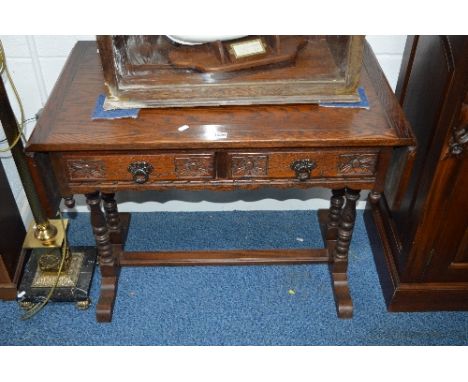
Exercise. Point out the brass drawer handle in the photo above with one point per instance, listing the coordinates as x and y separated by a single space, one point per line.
140 171
303 168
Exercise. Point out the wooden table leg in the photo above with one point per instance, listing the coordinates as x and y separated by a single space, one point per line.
334 213
107 259
339 267
112 217
117 222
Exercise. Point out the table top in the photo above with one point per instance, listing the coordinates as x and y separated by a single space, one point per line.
66 125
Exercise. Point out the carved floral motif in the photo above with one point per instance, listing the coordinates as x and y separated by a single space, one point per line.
361 164
249 166
194 167
79 169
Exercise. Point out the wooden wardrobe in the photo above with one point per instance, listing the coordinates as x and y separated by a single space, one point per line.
419 231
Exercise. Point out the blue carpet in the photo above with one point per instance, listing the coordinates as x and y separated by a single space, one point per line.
232 305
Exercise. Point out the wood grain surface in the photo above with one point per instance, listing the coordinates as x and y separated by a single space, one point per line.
66 124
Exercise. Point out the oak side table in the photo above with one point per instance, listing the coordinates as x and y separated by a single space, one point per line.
223 148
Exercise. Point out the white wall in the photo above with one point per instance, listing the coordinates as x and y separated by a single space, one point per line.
35 63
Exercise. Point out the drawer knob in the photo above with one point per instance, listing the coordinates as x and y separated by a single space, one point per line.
303 168
140 171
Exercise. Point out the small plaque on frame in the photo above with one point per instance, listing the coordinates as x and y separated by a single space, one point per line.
247 48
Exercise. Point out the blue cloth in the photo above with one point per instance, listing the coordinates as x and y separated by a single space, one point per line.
232 305
362 104
100 113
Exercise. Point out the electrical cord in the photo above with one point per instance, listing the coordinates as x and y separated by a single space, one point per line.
2 58
4 69
25 122
36 308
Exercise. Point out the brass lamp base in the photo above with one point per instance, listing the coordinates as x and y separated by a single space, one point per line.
73 284
44 244
68 277
46 235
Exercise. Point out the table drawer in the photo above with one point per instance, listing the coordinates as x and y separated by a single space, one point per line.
138 168
148 168
302 164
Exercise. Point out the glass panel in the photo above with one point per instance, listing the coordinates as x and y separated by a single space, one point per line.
162 60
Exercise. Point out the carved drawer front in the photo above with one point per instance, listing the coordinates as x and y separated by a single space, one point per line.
135 168
302 164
